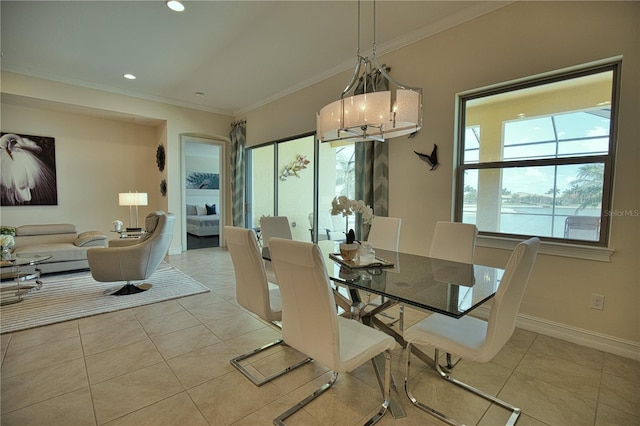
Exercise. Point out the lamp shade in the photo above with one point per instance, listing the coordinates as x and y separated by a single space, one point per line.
132 199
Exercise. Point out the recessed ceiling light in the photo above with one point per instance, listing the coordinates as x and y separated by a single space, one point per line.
129 76
175 5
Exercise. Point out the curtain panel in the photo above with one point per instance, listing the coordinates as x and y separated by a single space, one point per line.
238 141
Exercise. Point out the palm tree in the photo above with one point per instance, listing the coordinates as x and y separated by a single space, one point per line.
586 190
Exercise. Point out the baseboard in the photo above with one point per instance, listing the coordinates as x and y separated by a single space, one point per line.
175 250
590 339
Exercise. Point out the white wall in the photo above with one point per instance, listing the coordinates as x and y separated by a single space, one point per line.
519 40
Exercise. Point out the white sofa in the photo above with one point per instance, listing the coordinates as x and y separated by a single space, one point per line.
67 247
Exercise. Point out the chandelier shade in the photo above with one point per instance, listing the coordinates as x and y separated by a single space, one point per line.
375 114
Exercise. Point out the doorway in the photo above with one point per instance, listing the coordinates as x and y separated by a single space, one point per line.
202 192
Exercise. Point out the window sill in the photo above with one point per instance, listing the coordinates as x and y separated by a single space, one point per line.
600 254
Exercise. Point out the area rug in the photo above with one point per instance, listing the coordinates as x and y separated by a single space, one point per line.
78 295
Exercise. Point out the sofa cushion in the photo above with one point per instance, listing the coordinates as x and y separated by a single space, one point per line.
63 228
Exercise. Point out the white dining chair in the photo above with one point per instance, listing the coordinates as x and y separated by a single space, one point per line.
384 233
310 323
472 338
273 226
454 241
254 293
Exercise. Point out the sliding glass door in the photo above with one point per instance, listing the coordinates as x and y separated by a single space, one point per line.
299 178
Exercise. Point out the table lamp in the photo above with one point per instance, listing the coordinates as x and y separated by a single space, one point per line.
133 199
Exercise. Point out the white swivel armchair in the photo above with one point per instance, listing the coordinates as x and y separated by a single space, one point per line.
254 293
475 339
136 258
310 323
273 226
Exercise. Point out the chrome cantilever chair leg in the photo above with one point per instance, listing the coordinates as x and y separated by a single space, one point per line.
515 411
279 421
258 381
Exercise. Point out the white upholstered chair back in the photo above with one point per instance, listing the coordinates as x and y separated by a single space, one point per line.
454 241
385 233
309 319
274 226
252 287
506 303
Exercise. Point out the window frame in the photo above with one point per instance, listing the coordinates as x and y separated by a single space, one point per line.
505 240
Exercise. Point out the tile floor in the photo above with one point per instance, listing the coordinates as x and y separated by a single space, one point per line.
168 364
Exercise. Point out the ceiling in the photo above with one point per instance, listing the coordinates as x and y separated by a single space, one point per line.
238 54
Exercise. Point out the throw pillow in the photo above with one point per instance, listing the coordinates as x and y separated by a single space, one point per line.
201 210
191 210
211 209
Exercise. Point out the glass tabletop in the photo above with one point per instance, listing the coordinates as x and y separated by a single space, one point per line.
25 260
446 287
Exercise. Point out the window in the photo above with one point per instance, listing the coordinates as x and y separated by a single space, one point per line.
536 157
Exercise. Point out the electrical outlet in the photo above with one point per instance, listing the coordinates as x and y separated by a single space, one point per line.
597 302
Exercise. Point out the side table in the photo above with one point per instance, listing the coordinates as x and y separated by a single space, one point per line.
14 283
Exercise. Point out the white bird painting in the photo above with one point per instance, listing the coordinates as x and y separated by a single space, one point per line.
25 179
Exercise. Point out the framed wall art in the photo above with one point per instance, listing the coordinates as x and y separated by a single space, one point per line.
202 180
27 170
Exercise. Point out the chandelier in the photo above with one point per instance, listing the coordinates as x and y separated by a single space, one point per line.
363 113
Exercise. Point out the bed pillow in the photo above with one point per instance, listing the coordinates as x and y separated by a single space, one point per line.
191 210
201 210
211 209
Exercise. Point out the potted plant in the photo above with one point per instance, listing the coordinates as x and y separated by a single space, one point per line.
343 205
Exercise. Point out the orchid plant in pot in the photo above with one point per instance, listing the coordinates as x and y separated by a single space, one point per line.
347 207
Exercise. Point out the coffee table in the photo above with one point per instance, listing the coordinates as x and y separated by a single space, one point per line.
14 282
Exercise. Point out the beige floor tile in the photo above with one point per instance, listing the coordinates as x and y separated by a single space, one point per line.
265 415
199 300
157 309
46 334
104 322
42 384
252 340
123 360
169 323
621 367
4 345
175 410
548 403
121 333
235 325
231 397
74 408
561 373
513 351
202 365
180 342
124 394
497 415
429 388
607 416
214 313
556 348
620 393
47 354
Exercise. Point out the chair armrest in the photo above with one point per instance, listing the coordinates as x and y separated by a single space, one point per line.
91 239
124 242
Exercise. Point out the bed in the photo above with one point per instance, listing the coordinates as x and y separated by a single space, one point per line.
202 221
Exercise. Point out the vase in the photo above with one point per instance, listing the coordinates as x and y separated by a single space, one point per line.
349 251
5 253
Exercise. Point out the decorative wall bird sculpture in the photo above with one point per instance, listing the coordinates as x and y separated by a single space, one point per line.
431 159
